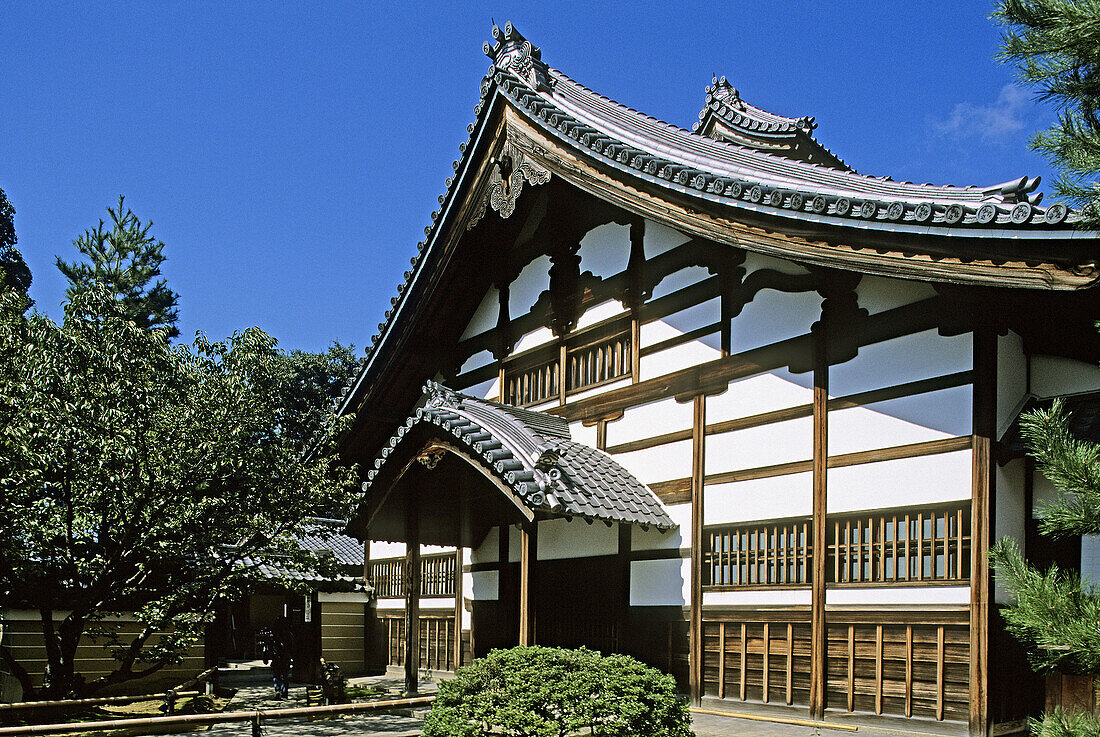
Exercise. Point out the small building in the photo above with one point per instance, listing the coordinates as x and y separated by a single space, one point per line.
714 399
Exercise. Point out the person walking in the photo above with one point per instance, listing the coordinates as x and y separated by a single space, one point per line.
279 650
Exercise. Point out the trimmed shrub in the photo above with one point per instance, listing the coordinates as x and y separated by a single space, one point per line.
551 692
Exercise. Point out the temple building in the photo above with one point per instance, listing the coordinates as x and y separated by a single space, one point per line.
714 399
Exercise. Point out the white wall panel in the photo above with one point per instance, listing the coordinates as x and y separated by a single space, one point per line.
774 390
487 388
662 463
915 419
660 582
775 497
467 596
905 595
485 585
660 238
682 356
754 261
1010 513
582 434
648 420
763 445
390 604
1043 493
599 313
1052 376
774 316
573 397
698 316
479 359
1011 379
681 279
532 281
1090 560
900 483
757 597
380 550
576 538
533 339
485 317
488 551
677 537
911 357
605 250
878 294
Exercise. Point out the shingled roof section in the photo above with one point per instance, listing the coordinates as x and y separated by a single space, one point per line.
534 455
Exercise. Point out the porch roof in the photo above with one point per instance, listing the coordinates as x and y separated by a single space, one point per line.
533 455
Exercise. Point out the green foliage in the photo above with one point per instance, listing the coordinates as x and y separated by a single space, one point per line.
1055 44
551 692
127 260
138 475
15 276
1072 465
1057 723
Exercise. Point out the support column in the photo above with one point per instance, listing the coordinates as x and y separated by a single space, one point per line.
982 489
528 546
818 643
458 609
698 439
412 594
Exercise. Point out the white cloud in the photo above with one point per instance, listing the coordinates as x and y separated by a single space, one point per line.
989 123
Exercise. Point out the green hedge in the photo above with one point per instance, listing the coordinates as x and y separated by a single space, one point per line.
551 692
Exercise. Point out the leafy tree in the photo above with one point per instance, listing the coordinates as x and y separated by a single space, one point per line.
1056 46
14 274
127 259
551 692
137 476
1055 614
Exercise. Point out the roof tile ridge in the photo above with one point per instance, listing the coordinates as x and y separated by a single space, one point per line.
575 83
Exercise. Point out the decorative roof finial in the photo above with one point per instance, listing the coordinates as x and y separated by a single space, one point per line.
513 53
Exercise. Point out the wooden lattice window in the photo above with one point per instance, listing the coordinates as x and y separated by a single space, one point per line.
536 378
760 553
437 576
598 362
539 383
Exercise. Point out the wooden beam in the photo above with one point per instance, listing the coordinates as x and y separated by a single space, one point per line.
623 563
699 424
458 609
528 547
412 593
982 489
818 643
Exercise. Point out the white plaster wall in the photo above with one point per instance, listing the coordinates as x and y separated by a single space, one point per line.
1010 514
479 359
758 597
773 316
660 238
676 538
598 313
681 279
878 294
660 582
647 420
766 392
533 339
754 261
389 604
1011 379
907 595
532 281
682 356
909 358
757 499
662 463
1052 376
698 316
485 585
900 483
1090 560
1043 492
485 317
605 250
599 389
488 388
559 538
380 550
487 552
467 597
763 445
915 419
513 543
582 434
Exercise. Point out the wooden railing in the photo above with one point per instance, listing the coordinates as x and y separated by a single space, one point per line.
437 576
598 361
437 633
910 545
906 546
770 553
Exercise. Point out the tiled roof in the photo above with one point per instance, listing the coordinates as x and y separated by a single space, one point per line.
533 454
322 538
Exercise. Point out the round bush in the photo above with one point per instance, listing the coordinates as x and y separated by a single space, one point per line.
551 692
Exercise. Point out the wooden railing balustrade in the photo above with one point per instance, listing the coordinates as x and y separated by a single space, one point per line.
902 546
437 576
585 365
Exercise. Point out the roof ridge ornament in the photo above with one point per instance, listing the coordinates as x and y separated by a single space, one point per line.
514 53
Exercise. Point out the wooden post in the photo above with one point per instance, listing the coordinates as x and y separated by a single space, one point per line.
982 489
622 625
412 594
698 438
458 609
528 551
818 644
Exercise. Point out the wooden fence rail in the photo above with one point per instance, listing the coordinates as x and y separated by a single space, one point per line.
437 576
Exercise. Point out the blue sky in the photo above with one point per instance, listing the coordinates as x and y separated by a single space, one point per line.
290 154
